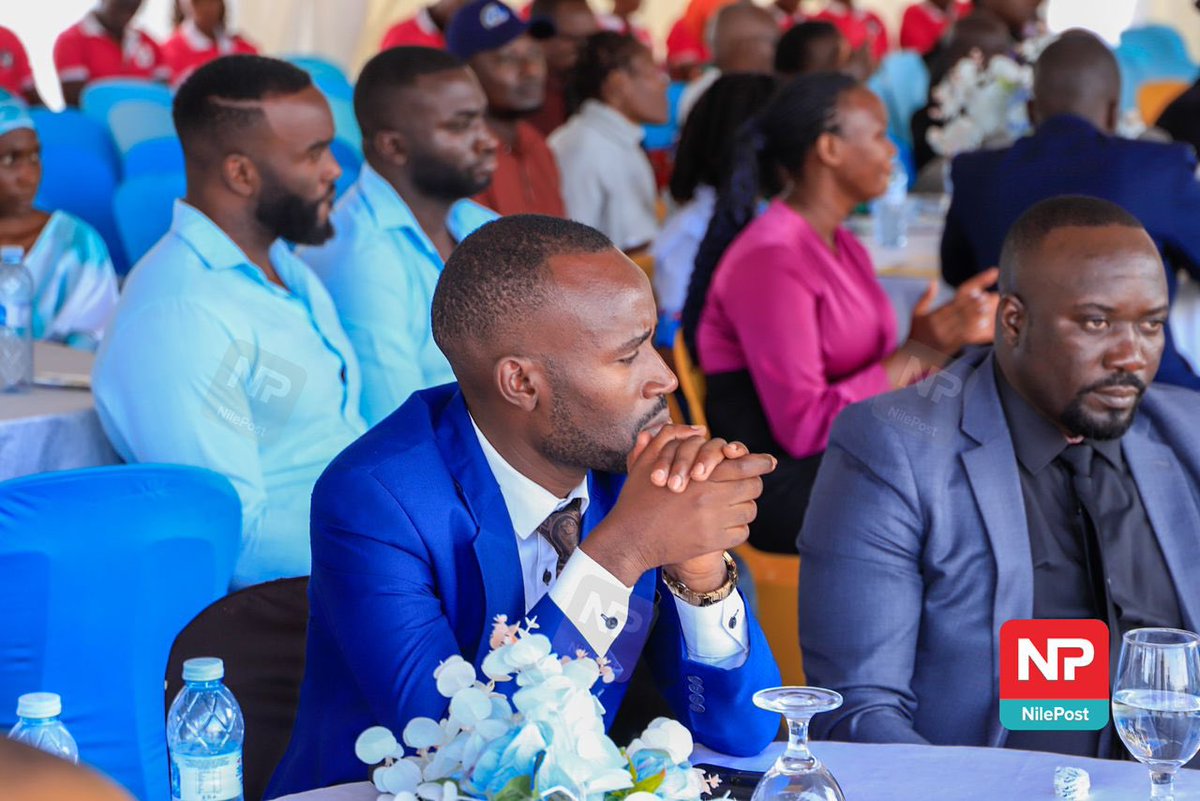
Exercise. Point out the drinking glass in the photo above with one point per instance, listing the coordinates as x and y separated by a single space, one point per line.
1156 702
797 775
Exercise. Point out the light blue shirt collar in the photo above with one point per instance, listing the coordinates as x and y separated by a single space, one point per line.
391 212
217 251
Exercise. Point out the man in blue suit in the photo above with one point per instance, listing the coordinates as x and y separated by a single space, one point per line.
1076 103
1041 479
503 495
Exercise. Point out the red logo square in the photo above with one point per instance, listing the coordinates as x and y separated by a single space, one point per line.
1054 659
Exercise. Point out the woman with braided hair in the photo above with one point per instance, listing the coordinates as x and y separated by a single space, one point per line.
790 323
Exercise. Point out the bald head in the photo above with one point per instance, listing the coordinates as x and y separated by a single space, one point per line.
744 37
27 774
1077 75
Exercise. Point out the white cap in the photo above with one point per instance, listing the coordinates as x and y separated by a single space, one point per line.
12 254
39 705
203 668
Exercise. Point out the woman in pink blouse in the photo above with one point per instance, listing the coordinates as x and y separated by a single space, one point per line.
794 325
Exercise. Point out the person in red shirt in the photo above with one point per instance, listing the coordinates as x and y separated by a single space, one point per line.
859 26
16 76
787 13
573 22
501 50
925 22
427 28
105 45
200 38
686 53
621 21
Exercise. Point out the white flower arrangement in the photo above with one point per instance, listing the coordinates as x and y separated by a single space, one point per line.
552 746
984 103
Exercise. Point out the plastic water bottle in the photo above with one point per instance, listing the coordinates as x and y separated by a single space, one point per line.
16 321
38 725
891 210
205 730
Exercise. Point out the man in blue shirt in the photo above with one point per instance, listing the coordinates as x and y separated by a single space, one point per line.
427 148
226 351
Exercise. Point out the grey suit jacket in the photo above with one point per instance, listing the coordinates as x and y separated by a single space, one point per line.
915 551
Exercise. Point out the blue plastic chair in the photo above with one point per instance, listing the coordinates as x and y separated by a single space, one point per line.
345 124
663 137
99 97
1151 53
79 173
329 77
154 157
902 83
143 209
351 162
132 122
101 569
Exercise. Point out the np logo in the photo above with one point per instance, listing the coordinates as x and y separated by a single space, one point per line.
493 15
1054 674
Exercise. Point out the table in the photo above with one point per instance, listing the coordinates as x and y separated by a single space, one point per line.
920 773
52 428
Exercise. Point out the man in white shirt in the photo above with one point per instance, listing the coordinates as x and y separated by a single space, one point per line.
503 495
607 181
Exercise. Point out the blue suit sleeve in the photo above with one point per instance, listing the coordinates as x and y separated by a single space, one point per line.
860 584
713 703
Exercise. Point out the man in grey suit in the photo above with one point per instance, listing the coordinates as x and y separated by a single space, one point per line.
1045 478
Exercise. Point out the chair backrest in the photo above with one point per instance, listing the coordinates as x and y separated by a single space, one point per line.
99 97
132 122
329 77
101 569
902 83
154 157
260 632
345 124
143 208
777 588
79 173
1153 97
351 162
691 381
1151 53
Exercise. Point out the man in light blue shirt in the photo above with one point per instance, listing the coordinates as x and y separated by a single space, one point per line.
427 149
226 351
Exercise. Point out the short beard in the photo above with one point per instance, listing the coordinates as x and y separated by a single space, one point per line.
1112 425
513 115
290 217
439 180
574 444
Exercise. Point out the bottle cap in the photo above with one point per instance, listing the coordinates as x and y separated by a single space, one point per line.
39 705
203 668
12 254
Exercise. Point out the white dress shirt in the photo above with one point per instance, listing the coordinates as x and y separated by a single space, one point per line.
715 635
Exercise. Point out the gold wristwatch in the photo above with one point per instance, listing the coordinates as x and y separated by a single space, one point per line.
687 595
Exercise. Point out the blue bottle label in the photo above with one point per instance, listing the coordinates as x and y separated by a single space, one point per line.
206 778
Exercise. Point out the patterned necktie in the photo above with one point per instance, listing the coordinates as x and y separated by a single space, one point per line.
561 530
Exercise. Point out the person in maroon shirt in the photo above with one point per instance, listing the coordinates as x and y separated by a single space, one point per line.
506 57
793 324
573 23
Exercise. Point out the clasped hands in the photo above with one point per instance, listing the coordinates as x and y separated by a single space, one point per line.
687 500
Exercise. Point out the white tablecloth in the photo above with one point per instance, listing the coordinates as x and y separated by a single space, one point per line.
921 773
52 429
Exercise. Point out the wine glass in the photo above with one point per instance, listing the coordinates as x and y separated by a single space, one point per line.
1156 702
797 775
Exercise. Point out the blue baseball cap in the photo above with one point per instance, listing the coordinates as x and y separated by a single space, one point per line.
484 25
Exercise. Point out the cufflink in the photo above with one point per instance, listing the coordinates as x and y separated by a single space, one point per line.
610 623
546 577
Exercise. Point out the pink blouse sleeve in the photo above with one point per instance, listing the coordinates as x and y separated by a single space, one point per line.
776 320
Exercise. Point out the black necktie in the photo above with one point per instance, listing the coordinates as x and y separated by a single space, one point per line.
561 530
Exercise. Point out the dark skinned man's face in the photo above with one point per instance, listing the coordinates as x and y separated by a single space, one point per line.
606 381
513 77
1082 334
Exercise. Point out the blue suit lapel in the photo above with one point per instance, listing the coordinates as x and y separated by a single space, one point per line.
992 471
495 544
1167 498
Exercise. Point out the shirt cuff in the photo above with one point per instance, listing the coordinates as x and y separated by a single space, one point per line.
715 635
593 599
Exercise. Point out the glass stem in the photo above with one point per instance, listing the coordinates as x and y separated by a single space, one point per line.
1162 786
797 757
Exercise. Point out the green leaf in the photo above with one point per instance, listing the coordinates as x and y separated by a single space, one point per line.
520 788
649 784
